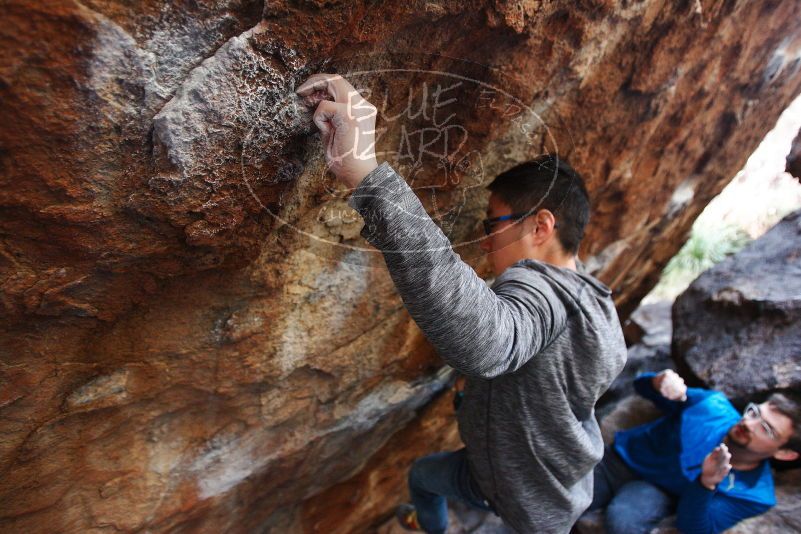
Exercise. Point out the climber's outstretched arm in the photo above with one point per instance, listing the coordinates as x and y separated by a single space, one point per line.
480 331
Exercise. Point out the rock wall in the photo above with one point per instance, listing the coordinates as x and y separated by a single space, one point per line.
735 328
195 338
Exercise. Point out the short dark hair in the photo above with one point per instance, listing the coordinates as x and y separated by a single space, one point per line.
791 407
548 182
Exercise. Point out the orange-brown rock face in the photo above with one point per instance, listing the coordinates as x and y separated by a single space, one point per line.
195 338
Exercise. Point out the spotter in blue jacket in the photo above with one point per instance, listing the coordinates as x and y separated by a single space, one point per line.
669 451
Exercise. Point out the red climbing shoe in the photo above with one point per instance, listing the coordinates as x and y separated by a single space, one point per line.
407 517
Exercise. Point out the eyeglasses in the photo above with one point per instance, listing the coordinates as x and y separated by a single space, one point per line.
488 223
752 412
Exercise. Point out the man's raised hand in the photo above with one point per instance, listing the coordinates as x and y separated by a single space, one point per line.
347 124
716 466
670 385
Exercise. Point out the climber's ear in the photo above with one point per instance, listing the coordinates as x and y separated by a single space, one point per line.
786 455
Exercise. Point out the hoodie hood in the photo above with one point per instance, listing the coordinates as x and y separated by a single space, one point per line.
571 280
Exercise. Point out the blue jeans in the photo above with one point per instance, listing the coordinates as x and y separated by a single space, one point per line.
435 478
633 506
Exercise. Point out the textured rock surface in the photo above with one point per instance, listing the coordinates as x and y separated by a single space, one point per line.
361 501
736 326
194 337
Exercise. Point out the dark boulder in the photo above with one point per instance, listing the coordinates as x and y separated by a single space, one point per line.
736 327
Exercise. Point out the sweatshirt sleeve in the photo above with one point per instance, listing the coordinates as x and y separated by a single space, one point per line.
479 331
702 511
644 386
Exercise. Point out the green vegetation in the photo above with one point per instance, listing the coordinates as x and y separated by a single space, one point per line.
706 247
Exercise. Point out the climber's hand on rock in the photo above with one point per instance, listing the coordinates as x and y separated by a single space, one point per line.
347 124
670 385
716 466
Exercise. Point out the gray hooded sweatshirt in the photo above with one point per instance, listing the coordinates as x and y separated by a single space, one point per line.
539 347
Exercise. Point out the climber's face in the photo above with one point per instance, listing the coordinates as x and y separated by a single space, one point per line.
763 431
497 243
512 240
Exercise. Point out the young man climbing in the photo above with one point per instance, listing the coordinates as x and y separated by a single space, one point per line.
538 348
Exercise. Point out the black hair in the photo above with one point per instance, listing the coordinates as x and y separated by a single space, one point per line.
548 182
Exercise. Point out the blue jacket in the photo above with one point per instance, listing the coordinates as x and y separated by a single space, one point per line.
669 451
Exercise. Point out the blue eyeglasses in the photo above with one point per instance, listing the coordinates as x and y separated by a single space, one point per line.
488 223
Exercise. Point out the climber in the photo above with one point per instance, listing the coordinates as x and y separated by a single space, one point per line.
701 460
538 347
